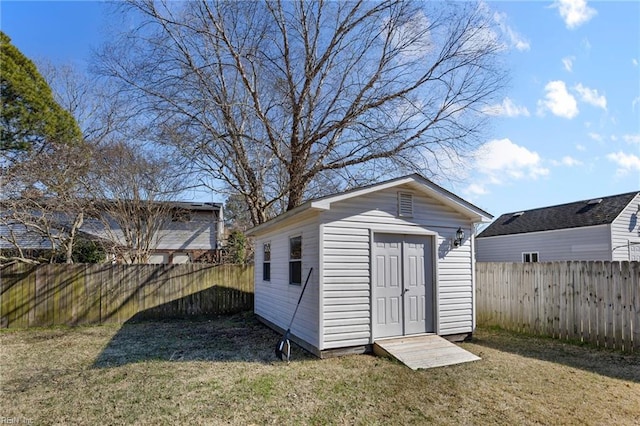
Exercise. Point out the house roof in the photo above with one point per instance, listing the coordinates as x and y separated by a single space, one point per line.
416 181
593 212
192 205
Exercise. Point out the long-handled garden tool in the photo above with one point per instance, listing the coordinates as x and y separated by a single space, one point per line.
283 348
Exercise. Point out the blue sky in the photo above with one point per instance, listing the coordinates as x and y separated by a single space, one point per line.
567 127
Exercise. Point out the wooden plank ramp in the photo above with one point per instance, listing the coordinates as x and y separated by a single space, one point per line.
424 351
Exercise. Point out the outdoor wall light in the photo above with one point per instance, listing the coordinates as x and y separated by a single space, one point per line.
459 237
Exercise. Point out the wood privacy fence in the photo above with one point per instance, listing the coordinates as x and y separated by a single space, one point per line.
596 302
53 294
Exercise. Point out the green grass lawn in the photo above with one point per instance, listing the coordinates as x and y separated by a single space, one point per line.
223 371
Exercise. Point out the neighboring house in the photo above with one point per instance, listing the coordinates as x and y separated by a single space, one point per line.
388 260
194 232
604 228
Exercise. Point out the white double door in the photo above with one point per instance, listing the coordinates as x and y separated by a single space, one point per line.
402 285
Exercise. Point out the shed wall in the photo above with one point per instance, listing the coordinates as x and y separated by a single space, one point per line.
275 300
346 314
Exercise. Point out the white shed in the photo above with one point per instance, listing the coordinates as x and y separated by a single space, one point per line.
386 263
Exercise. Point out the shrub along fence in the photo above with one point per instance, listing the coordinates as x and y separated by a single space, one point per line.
56 294
596 302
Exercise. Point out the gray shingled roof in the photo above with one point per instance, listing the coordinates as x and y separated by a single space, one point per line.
571 215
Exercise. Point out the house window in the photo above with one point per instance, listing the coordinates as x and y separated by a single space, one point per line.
405 204
295 260
530 257
266 262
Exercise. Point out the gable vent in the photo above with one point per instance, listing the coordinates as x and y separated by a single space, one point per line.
595 201
405 204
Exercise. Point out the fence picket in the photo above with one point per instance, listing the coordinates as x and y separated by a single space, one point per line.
597 302
52 294
634 305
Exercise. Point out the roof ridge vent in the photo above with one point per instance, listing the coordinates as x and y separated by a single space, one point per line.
517 214
594 201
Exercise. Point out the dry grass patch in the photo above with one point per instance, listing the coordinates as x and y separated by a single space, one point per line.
224 371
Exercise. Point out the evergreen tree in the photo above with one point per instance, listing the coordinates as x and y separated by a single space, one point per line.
30 118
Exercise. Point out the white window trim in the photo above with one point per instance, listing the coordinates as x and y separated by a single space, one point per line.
266 261
530 253
295 260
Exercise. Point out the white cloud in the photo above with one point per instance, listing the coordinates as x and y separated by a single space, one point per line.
635 102
558 100
634 62
413 39
501 158
581 147
632 138
626 162
506 108
515 39
476 189
501 161
567 161
591 96
574 12
613 137
567 62
596 136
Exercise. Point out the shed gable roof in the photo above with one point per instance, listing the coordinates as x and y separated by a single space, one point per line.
417 182
599 211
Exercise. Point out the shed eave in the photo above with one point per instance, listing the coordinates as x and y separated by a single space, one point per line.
420 184
417 182
308 206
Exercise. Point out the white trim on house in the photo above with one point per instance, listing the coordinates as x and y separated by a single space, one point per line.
548 231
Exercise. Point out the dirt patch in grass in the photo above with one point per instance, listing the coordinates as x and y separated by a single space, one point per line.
223 371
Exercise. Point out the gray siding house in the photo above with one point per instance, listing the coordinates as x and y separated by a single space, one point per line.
604 228
388 260
195 231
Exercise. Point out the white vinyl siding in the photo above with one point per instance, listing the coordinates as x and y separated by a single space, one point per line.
625 231
346 286
197 234
584 243
455 289
276 300
346 254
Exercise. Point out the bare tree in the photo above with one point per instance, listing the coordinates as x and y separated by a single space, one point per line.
282 100
133 188
44 200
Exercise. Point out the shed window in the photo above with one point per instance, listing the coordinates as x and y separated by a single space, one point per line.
405 204
530 257
266 262
295 260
